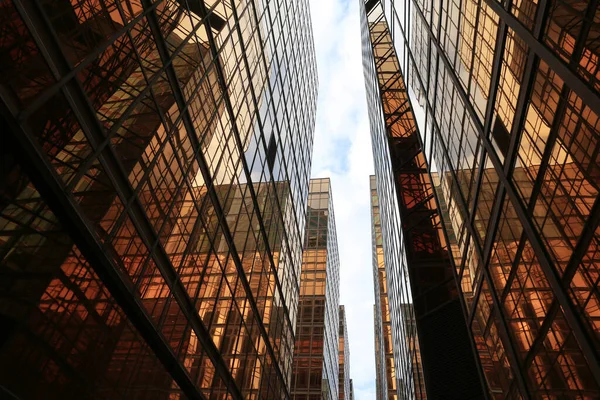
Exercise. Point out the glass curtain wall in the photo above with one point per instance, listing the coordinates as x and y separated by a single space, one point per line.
386 383
344 358
316 355
425 310
155 164
507 97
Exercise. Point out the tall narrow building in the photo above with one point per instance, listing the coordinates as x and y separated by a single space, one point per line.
421 287
344 357
316 355
385 369
155 168
486 138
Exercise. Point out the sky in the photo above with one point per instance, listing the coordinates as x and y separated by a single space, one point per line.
342 151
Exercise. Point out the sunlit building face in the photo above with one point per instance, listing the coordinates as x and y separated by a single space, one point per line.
506 101
156 160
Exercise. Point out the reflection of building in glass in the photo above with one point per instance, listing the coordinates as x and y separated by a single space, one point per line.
506 103
412 340
344 358
437 358
154 182
386 384
316 355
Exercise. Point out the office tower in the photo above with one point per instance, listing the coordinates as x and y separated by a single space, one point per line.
421 288
502 101
344 357
155 164
315 370
386 385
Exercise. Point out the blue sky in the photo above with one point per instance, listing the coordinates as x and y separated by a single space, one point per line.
342 151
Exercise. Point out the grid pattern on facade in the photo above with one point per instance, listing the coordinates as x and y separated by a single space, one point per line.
386 384
155 173
396 282
426 278
508 103
344 358
316 355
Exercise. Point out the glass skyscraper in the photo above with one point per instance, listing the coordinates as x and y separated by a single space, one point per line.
344 358
155 169
316 355
499 102
421 289
385 369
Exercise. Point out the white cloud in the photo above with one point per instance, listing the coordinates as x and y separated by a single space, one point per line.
342 151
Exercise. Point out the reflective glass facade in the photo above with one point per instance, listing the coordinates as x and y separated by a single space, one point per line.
385 369
155 164
506 100
433 353
316 355
344 358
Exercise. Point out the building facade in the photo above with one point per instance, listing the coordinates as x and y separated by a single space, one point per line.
505 101
421 288
155 169
385 369
316 355
344 357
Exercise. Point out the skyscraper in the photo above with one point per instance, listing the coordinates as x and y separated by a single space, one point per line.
385 369
421 288
496 105
316 369
344 357
155 168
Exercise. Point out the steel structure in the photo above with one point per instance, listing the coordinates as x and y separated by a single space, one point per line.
507 103
155 163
